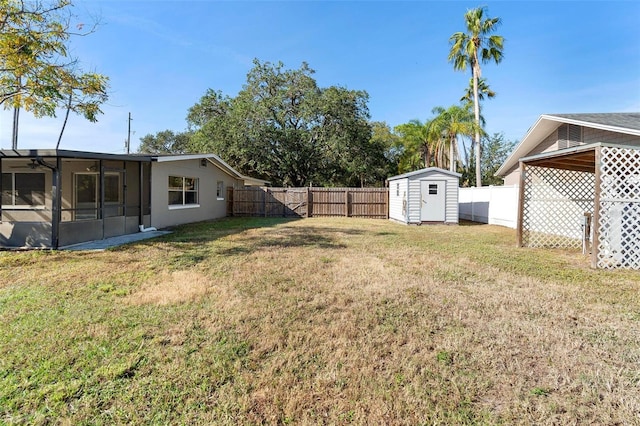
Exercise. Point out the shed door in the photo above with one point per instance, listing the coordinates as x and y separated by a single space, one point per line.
432 196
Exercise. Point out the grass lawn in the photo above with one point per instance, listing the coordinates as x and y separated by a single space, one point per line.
314 321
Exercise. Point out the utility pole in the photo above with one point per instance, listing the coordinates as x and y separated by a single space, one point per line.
14 136
16 116
129 134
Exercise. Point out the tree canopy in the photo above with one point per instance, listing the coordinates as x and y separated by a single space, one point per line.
495 150
37 72
164 142
284 128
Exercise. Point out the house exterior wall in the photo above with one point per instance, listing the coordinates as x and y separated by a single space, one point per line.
398 199
413 197
209 205
597 135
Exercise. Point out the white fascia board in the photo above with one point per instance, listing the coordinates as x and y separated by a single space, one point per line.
536 133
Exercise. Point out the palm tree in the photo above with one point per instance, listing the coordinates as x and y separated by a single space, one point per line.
483 90
418 140
448 125
472 48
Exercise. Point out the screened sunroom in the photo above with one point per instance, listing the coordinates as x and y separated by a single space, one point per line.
55 198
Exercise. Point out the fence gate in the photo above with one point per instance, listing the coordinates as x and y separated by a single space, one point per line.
267 202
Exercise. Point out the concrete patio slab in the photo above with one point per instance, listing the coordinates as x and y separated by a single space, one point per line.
99 245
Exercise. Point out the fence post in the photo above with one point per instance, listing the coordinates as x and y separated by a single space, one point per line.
309 202
286 203
264 201
230 201
346 202
386 204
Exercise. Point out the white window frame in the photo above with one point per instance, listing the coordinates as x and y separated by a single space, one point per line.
184 191
220 190
13 205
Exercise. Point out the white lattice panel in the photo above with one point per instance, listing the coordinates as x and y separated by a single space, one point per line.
554 205
619 224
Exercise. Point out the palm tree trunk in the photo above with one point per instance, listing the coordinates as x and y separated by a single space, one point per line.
452 154
476 108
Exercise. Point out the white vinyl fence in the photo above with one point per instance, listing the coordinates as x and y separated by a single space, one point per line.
495 205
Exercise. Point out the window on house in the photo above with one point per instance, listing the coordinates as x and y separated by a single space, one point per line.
220 190
23 189
183 191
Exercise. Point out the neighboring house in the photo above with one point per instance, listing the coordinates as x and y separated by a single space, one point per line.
424 196
55 198
579 182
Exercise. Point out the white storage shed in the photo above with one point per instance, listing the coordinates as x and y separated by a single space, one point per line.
425 196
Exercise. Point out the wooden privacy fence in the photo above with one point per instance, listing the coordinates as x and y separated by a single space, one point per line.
308 202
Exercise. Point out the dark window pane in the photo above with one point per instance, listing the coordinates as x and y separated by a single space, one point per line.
29 189
191 197
112 188
433 189
175 183
175 197
7 189
190 184
86 188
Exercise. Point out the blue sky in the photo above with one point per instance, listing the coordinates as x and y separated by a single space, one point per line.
161 57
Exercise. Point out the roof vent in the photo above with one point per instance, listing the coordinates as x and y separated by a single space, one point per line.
569 135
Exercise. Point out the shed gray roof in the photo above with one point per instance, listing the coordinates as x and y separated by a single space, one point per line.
422 171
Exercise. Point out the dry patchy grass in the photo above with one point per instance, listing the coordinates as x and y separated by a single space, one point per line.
247 321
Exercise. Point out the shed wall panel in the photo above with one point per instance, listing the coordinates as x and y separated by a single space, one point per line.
398 193
451 214
413 201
